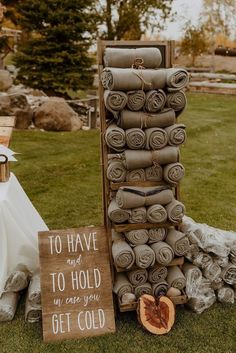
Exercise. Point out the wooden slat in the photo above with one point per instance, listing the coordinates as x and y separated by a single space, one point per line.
121 228
7 121
6 131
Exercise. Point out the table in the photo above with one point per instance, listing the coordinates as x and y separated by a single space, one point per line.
19 226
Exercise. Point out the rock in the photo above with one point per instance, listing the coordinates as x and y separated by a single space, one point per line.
173 292
56 115
5 80
128 298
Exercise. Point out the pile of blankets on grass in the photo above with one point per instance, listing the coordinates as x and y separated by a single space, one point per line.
211 268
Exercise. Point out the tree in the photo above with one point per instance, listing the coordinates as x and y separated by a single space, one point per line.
194 41
128 19
54 57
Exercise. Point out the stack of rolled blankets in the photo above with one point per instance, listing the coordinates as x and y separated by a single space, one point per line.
19 282
143 138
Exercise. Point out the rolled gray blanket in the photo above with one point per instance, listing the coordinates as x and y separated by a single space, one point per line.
34 289
17 281
155 101
116 171
8 306
145 288
142 159
137 276
160 288
136 100
132 196
122 254
144 256
176 134
115 137
156 234
222 260
126 57
116 214
122 285
173 173
141 119
154 173
226 295
156 138
178 241
163 252
138 215
137 237
229 274
176 101
157 273
136 175
175 211
135 138
33 312
116 236
176 79
193 276
156 214
175 278
117 79
212 271
115 101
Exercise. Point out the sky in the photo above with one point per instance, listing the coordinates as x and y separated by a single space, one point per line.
186 10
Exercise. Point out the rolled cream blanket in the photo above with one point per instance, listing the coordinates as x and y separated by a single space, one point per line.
202 302
33 312
8 306
212 271
116 171
175 278
34 289
137 276
17 281
116 214
138 215
141 119
136 175
122 254
173 173
136 100
160 288
156 138
178 241
175 211
144 256
142 159
163 252
155 101
217 284
202 260
226 295
176 134
135 196
115 101
145 288
229 274
176 101
154 173
115 137
221 260
157 273
122 285
117 79
193 276
135 138
137 237
156 234
156 214
126 57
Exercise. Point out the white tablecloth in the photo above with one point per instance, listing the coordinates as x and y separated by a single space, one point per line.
19 227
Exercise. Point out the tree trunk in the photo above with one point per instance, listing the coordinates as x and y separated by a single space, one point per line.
110 32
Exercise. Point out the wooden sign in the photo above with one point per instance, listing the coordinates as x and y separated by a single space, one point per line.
75 283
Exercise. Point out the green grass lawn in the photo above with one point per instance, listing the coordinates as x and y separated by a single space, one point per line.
61 174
